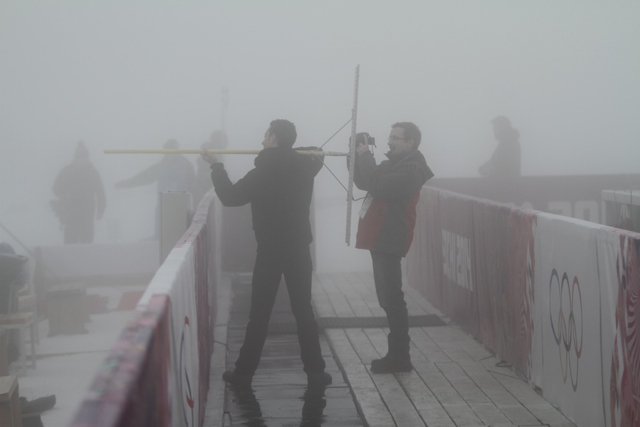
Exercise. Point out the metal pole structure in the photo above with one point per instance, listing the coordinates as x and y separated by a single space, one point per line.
352 159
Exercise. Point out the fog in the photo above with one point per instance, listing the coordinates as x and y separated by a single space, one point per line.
132 75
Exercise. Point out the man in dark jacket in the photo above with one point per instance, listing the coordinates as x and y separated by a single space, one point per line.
279 189
81 198
387 219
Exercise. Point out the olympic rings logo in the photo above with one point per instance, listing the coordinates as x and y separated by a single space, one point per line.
567 331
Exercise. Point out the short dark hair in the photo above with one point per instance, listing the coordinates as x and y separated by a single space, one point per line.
411 131
285 132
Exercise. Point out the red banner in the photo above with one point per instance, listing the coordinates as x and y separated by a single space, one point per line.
425 255
131 388
458 260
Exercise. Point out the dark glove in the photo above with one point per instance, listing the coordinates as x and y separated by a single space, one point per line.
218 166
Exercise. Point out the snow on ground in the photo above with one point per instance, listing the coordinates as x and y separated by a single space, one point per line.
66 364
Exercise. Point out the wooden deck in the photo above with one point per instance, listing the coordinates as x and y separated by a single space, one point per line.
456 381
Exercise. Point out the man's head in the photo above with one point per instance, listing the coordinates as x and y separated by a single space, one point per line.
171 144
503 130
281 133
81 152
404 137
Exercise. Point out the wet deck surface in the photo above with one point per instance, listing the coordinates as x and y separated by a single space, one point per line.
279 395
456 382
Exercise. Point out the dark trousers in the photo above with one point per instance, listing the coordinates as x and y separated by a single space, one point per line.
270 265
387 275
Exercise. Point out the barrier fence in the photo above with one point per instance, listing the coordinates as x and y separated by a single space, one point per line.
577 196
157 374
557 298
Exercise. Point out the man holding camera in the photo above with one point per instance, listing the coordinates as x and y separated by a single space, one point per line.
387 220
279 189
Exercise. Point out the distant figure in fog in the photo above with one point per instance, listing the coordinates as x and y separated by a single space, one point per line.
218 141
80 197
505 161
173 173
13 276
279 190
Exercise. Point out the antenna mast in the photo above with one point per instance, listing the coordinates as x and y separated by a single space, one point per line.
352 159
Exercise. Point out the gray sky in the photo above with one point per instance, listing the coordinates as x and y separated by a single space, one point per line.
133 74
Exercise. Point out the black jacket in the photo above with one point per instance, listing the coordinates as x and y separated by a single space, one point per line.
505 161
279 189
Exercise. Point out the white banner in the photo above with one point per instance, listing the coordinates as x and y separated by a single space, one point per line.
568 301
176 277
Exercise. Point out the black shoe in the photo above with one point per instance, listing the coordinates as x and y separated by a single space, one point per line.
319 379
376 363
238 380
37 406
390 364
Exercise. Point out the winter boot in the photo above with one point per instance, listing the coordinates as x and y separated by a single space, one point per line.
390 364
318 379
397 358
237 380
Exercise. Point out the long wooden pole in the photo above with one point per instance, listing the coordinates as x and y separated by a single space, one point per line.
212 151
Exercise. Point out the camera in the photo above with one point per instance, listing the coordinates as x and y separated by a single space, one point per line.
360 139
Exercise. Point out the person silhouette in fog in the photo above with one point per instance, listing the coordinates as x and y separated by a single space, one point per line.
505 161
173 173
279 190
80 197
218 140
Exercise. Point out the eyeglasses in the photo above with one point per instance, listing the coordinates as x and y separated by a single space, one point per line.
396 138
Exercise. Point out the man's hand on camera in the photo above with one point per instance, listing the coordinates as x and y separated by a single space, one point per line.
362 148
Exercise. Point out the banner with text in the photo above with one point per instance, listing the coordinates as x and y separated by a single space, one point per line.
425 254
505 257
458 261
556 297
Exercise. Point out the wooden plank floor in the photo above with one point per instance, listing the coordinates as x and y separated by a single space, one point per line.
456 381
279 395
